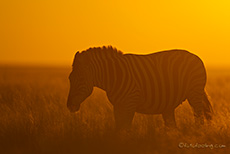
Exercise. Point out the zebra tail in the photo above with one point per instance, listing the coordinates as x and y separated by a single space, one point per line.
208 110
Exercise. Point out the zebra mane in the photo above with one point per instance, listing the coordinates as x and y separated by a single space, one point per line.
105 50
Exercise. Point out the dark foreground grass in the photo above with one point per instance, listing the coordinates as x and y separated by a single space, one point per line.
34 119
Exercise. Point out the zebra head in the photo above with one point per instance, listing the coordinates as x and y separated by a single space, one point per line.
81 84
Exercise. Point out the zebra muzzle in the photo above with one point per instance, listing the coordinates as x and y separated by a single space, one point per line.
73 108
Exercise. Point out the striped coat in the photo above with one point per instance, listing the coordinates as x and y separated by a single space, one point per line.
151 84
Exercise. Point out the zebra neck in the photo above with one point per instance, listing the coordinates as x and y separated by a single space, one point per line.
100 75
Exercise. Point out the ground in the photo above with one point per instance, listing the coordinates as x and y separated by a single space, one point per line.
34 119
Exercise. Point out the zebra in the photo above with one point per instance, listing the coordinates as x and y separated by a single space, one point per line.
154 83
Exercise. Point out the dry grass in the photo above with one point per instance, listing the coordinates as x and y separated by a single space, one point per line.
34 119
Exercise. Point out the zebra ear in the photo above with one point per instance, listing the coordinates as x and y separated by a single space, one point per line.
75 58
76 53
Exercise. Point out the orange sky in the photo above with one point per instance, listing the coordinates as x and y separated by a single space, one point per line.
51 31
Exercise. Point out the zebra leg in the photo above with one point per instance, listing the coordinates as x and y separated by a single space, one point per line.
123 118
195 100
169 119
123 121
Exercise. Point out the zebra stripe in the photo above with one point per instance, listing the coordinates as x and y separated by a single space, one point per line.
151 84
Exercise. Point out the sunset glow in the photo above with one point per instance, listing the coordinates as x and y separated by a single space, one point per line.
50 32
72 80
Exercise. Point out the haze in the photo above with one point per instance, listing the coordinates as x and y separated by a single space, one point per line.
50 32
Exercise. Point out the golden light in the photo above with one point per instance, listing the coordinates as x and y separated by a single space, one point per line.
50 32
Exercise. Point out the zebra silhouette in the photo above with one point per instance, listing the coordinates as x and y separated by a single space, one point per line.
150 84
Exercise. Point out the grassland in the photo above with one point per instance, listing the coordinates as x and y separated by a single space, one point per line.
34 119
